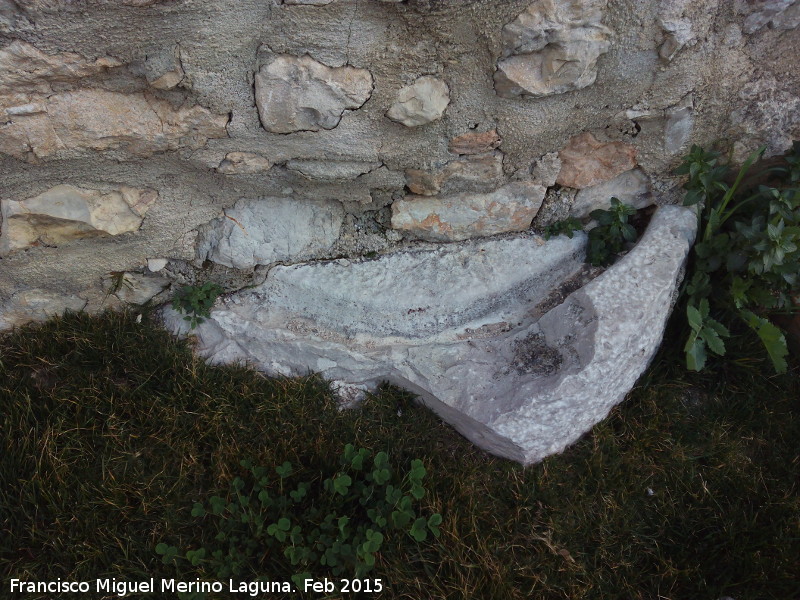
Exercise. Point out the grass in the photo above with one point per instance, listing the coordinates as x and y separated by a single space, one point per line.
110 430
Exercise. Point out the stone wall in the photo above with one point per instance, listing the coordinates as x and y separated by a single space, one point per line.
187 140
365 178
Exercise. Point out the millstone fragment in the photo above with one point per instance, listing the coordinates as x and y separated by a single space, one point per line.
480 330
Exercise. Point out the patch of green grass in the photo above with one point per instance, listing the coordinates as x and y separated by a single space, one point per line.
110 431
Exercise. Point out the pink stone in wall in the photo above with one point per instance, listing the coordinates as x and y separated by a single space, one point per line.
586 161
468 215
482 173
474 143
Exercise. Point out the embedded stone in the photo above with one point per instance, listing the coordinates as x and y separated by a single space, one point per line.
551 48
486 333
39 118
268 230
545 170
136 288
585 161
674 124
298 93
236 163
26 69
675 19
768 113
474 142
473 173
679 125
93 119
36 305
631 187
163 70
420 103
156 264
66 212
468 215
777 14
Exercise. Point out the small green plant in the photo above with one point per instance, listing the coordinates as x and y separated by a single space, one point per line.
566 227
337 527
612 233
196 301
746 261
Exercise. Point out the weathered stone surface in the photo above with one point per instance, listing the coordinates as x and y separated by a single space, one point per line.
631 187
163 69
268 230
331 170
298 93
156 264
679 125
136 288
468 215
25 68
141 122
673 125
142 3
777 14
236 163
420 103
545 170
459 326
555 207
306 2
92 119
474 142
10 16
677 23
66 212
399 297
585 161
36 305
476 172
551 48
40 117
769 114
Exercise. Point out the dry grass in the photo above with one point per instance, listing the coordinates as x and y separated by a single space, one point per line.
111 430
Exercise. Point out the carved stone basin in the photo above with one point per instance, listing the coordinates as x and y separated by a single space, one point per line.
488 333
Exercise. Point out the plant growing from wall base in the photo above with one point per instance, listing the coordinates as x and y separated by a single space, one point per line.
566 227
606 240
612 233
746 262
196 301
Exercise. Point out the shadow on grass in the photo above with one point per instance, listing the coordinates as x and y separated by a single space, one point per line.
111 430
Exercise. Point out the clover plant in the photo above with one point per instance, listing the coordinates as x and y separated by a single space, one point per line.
337 527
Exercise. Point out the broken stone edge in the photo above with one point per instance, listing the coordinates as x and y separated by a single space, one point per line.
625 312
632 301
